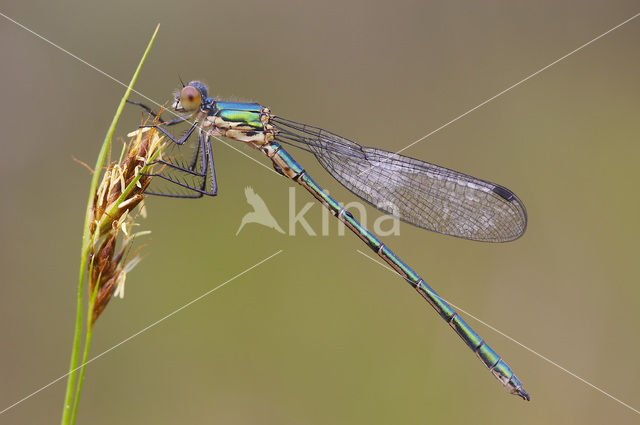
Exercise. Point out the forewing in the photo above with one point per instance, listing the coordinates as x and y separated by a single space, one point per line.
423 194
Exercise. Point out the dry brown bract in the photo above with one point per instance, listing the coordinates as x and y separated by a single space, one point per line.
113 216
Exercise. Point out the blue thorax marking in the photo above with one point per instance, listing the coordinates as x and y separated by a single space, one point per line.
237 106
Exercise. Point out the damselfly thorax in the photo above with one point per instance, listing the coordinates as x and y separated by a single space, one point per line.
249 125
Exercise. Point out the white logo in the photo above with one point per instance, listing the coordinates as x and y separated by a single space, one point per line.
260 213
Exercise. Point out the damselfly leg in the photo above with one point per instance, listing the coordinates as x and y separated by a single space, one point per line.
187 168
156 114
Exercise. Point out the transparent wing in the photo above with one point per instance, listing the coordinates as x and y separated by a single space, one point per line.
423 194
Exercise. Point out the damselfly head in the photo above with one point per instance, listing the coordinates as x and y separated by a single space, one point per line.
190 97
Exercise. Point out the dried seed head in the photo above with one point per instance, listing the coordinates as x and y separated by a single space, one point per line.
113 214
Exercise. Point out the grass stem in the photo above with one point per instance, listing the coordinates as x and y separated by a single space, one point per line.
69 404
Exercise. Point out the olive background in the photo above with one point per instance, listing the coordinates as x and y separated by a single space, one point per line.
319 334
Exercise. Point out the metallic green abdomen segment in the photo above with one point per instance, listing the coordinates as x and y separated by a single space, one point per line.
444 310
468 335
489 357
404 270
293 165
245 113
373 242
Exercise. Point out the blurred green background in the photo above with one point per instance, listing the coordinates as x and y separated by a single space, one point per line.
319 334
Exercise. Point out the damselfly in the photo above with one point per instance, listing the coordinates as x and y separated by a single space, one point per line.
420 193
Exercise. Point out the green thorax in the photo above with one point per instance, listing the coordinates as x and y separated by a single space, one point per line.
238 112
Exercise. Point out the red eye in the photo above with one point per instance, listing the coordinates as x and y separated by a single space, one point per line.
190 98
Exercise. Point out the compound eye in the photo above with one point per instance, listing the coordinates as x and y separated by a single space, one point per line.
190 98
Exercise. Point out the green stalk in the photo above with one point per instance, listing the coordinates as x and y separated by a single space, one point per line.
87 342
86 243
85 354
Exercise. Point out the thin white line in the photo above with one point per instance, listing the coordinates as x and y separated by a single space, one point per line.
126 85
242 153
143 330
509 88
375 260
